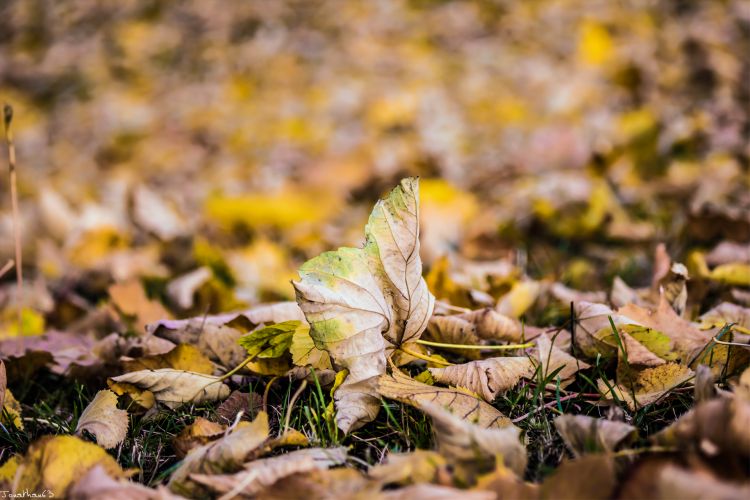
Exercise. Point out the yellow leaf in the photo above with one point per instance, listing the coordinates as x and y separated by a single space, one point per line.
595 46
184 357
55 462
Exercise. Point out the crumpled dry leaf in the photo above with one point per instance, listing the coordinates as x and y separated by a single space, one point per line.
405 389
473 328
55 462
418 466
97 484
357 298
104 420
487 377
183 357
224 455
200 432
646 386
584 434
265 472
177 387
472 449
726 313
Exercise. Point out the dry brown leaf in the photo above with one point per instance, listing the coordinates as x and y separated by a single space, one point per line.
181 290
104 420
418 466
224 455
97 484
584 434
676 482
487 377
54 463
473 409
454 330
473 450
506 484
326 484
263 473
637 354
247 403
176 387
720 425
436 492
183 357
200 432
726 313
131 300
591 477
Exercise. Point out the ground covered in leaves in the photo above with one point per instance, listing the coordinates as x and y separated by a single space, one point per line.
397 249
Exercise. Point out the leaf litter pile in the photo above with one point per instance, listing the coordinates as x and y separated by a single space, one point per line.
403 249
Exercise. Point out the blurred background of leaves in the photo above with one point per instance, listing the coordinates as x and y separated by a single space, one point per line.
156 138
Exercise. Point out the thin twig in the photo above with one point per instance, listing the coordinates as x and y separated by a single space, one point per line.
8 115
6 267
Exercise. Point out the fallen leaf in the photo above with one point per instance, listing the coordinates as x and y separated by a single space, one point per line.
418 466
184 357
519 299
555 360
647 386
357 298
506 484
153 213
224 455
472 449
97 484
104 420
10 413
181 290
677 482
177 387
473 409
487 377
584 434
436 492
265 472
305 353
716 426
247 403
131 300
726 313
200 432
565 482
54 463
322 484
272 341
687 339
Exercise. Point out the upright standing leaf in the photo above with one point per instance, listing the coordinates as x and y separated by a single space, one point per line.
357 298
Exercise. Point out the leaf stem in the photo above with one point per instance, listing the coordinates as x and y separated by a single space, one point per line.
236 368
425 358
477 347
